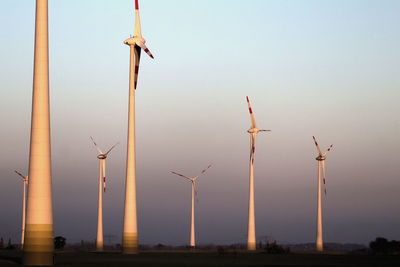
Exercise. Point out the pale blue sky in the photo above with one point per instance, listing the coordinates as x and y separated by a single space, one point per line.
324 68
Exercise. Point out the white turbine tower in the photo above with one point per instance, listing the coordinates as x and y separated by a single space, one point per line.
321 174
130 233
102 187
251 230
25 184
193 180
39 243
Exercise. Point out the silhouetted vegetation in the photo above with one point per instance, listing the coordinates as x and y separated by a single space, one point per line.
59 242
10 246
274 248
384 247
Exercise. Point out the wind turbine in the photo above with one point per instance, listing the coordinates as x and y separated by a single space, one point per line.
25 184
102 187
194 193
253 131
321 173
39 243
130 234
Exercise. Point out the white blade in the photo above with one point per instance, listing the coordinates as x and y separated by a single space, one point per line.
195 191
103 165
316 144
203 171
144 47
252 147
97 147
253 121
138 28
329 149
190 179
323 175
20 174
111 149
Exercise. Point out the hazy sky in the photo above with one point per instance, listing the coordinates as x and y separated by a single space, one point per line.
324 68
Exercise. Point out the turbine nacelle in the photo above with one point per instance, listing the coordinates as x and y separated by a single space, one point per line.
102 156
256 130
135 40
321 158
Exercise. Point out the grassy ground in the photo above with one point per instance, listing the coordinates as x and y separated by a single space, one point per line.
209 259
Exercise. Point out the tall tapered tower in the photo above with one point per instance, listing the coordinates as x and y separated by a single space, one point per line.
38 245
130 235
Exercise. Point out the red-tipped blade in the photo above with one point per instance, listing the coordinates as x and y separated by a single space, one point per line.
253 121
137 4
181 175
329 149
20 174
316 144
144 47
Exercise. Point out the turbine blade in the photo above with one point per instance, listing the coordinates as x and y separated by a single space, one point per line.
195 192
138 28
20 174
97 147
323 174
264 130
203 171
252 147
144 47
137 51
111 149
190 179
253 121
316 144
104 174
329 149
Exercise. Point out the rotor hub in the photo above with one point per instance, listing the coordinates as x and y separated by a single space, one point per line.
101 156
253 130
134 40
320 158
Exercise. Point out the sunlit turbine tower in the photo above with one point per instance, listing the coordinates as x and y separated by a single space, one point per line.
39 244
130 232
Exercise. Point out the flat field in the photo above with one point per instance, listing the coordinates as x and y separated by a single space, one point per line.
209 259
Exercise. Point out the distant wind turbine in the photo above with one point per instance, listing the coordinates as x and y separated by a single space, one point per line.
253 131
130 234
25 184
102 187
321 173
194 194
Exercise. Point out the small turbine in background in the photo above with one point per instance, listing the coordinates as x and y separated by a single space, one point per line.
321 173
102 187
193 180
253 131
25 185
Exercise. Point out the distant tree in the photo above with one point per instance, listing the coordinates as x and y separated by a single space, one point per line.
382 246
1 243
274 248
59 242
160 246
10 245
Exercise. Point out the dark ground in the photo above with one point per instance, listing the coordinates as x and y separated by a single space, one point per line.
212 259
